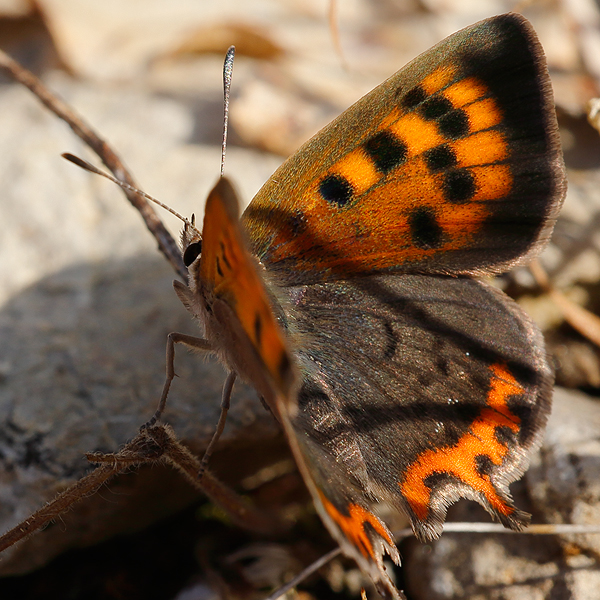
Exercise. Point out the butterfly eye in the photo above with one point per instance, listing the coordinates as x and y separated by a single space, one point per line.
191 253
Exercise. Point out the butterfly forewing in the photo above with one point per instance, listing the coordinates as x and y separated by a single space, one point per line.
237 305
453 165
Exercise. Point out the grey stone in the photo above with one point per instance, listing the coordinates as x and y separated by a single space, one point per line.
564 478
86 303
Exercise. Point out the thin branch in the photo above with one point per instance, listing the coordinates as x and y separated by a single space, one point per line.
166 243
531 529
314 566
582 320
81 489
238 509
152 445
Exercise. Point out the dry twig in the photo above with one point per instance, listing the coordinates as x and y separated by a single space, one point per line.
150 446
166 243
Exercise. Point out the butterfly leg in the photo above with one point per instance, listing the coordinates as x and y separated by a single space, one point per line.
225 403
173 338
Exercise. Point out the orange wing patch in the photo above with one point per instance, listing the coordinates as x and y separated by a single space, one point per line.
466 91
353 526
228 271
421 134
422 182
460 460
358 170
482 148
435 81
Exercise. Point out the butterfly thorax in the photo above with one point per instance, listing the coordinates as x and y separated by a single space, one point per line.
219 328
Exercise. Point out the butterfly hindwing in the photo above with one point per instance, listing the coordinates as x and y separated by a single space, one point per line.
228 284
417 390
453 165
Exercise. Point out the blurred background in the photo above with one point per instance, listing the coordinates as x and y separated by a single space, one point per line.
86 301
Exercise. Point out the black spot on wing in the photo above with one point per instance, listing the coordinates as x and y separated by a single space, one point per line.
224 256
439 479
455 124
440 158
336 189
529 421
425 231
386 151
257 328
459 186
451 122
414 97
484 465
505 436
435 107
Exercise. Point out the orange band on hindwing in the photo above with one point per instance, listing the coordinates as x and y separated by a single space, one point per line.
460 460
353 526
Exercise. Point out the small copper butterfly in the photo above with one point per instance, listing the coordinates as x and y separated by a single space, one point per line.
346 292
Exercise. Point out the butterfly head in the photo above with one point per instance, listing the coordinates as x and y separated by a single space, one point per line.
191 242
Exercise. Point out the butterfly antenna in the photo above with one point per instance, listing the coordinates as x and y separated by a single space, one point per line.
89 167
227 73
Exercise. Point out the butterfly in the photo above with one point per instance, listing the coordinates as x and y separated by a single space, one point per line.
347 294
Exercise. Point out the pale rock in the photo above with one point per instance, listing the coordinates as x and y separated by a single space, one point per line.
86 305
564 478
